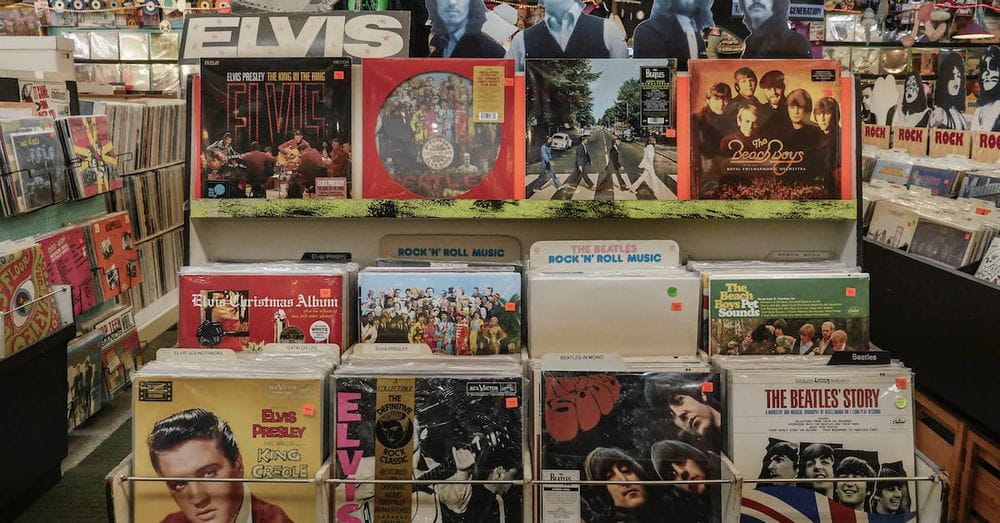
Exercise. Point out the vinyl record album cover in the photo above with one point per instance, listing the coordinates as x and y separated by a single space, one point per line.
982 186
28 316
243 311
892 224
87 140
941 181
51 99
892 171
439 128
787 314
226 427
946 243
767 129
272 127
430 428
112 245
597 129
34 162
989 267
84 378
637 426
789 425
470 313
67 263
119 344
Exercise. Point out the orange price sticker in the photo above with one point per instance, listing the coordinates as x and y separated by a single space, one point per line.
512 403
510 306
851 292
902 383
708 386
308 410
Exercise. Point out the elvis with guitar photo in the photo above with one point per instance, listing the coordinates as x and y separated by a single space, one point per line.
271 129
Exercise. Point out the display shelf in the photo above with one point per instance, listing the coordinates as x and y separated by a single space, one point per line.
34 389
527 209
157 317
939 321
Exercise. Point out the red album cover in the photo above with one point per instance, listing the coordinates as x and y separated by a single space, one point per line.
114 251
67 263
439 128
89 143
243 311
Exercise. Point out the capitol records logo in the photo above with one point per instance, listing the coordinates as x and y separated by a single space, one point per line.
854 310
490 388
821 380
899 421
156 391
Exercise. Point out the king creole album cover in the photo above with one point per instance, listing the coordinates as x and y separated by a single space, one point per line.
439 128
631 426
429 428
224 427
274 128
767 129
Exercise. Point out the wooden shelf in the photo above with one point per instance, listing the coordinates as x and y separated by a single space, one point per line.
528 209
157 317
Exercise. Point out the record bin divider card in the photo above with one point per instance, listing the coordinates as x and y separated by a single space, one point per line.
597 255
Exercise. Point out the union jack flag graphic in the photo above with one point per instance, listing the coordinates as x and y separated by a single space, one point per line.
776 504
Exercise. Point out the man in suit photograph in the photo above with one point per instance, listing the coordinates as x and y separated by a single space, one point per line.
567 32
583 159
770 34
674 30
457 26
614 168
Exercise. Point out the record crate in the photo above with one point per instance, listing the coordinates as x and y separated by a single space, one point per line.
931 489
942 437
980 481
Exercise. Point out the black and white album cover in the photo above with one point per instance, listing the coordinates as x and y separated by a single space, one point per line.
824 425
597 129
630 426
429 428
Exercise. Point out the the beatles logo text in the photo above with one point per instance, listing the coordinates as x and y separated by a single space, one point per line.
576 404
822 398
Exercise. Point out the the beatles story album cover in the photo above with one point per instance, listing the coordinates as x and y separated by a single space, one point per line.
430 428
814 426
275 128
439 128
218 427
631 426
767 129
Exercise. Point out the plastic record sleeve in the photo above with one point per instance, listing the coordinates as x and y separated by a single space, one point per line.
422 137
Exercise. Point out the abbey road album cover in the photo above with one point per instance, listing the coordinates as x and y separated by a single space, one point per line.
597 129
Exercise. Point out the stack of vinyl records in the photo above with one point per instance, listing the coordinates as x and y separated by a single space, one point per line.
647 419
242 306
162 257
460 311
800 418
151 130
120 347
952 232
154 200
253 416
28 309
431 418
91 154
760 308
34 168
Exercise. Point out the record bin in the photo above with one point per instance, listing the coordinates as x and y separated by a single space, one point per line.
931 481
917 310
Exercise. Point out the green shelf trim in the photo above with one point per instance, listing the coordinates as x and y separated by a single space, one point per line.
48 219
528 209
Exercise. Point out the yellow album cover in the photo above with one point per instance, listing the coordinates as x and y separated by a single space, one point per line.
226 427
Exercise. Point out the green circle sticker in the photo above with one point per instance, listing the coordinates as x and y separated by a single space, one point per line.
901 402
672 292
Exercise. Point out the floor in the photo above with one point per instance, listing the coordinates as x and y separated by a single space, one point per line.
95 448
